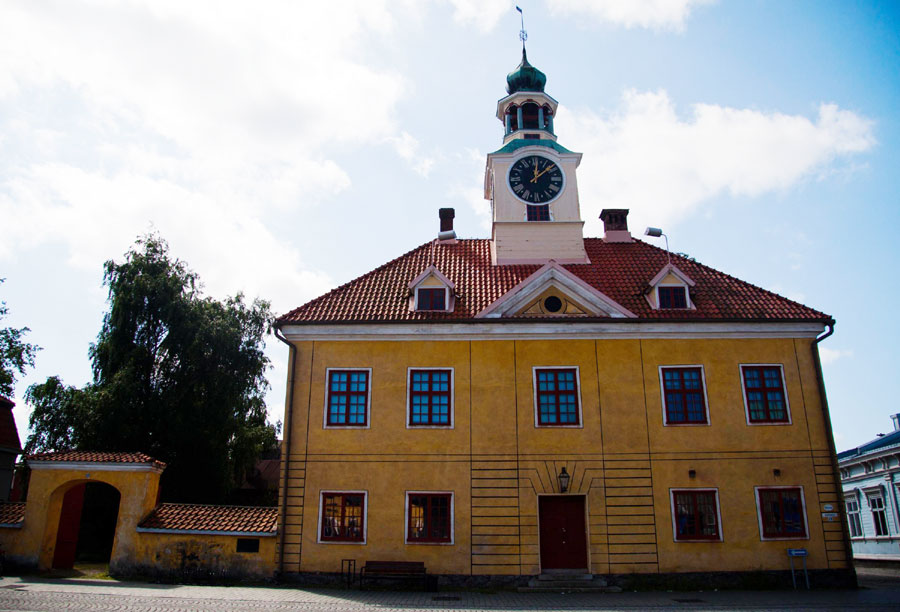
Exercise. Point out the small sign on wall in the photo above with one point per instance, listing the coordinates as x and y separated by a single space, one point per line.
828 507
830 516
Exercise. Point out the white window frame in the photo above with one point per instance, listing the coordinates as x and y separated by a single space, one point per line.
452 424
687 296
409 542
787 402
368 424
715 491
759 514
879 495
446 298
534 385
662 395
854 499
365 495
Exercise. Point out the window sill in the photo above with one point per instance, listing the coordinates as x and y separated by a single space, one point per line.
765 423
699 541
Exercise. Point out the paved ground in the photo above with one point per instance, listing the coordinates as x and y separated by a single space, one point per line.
879 592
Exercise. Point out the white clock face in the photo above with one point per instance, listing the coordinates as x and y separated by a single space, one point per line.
534 179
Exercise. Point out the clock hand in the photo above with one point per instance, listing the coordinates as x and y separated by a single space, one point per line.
537 174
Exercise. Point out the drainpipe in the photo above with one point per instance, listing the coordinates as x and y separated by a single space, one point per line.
820 382
286 446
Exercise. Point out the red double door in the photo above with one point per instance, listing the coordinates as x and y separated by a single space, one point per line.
563 532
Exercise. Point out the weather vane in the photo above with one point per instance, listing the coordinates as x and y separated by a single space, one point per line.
523 35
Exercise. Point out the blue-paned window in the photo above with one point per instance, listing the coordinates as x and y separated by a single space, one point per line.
557 397
764 393
429 398
348 398
684 396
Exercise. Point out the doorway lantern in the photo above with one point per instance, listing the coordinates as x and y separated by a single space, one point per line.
563 480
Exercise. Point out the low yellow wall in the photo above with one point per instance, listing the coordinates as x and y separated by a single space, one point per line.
198 556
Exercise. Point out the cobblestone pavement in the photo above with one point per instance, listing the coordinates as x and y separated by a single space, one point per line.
33 593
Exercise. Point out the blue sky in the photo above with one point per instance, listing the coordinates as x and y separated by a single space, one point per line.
289 148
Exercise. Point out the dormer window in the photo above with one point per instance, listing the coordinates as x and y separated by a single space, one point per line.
672 297
431 298
431 291
670 290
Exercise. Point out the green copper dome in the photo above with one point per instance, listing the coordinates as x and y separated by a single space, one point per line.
525 77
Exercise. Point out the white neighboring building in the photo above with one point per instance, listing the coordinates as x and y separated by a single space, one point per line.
870 478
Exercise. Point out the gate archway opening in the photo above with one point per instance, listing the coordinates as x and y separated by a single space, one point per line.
87 525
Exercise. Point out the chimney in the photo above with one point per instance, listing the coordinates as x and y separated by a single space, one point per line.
446 233
896 419
615 225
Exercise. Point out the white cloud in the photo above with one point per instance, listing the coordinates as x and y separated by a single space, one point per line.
482 14
230 248
655 14
407 147
200 119
829 355
643 156
472 191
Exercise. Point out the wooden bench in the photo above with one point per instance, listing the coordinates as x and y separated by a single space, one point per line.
392 570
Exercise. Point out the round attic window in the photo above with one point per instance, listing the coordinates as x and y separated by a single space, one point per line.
553 304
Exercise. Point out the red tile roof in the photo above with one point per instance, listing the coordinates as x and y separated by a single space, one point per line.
96 457
622 271
12 513
192 517
9 435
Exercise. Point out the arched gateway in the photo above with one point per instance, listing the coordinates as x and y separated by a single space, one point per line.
93 504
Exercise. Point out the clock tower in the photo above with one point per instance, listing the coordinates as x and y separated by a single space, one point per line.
531 179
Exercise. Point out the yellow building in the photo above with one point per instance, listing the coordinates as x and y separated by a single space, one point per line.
540 402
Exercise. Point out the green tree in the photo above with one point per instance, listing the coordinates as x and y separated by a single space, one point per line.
59 417
176 375
15 354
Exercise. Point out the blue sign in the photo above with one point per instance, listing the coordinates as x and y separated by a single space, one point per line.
797 552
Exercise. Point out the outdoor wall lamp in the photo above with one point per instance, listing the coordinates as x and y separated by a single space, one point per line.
776 472
692 473
563 480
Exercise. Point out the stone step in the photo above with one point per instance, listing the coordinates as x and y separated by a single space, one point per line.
581 589
576 576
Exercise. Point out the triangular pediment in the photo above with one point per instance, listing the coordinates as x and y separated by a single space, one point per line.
431 273
671 274
569 296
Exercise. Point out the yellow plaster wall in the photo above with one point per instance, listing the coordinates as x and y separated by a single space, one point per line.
622 458
204 555
735 479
